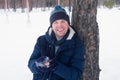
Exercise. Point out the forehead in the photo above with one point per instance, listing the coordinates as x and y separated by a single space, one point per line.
59 20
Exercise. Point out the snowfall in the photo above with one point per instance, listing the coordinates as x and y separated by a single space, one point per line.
19 31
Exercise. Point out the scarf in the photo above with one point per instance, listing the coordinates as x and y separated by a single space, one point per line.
53 42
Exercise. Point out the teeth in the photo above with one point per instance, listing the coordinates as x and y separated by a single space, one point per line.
60 30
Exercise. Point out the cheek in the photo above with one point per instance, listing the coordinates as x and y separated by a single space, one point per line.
54 29
66 28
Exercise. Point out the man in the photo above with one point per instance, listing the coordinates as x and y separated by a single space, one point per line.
59 54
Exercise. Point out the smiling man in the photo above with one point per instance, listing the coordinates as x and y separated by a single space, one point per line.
59 54
60 28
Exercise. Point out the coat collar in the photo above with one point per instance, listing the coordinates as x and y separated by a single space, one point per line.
68 38
71 34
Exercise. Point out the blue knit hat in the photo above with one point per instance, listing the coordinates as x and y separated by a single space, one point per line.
58 13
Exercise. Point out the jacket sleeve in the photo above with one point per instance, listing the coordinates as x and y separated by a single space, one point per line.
74 71
35 55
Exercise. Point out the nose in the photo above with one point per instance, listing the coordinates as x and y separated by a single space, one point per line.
59 24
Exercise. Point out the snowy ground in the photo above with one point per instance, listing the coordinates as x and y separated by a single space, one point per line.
109 25
18 34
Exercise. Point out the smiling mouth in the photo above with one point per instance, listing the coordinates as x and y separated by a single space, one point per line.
61 30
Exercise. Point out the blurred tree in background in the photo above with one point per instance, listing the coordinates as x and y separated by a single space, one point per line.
15 4
110 4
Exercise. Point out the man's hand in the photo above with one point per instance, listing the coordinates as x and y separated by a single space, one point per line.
44 64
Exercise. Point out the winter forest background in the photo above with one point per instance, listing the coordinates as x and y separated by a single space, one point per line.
30 4
22 21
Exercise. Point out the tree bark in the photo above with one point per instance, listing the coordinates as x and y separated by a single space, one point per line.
84 20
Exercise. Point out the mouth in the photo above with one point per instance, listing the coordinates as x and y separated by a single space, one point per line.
60 30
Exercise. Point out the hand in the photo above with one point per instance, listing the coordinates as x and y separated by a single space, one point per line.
42 61
44 64
47 64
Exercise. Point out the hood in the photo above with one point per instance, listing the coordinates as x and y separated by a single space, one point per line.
51 39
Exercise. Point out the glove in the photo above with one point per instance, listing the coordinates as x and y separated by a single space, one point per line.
44 64
53 64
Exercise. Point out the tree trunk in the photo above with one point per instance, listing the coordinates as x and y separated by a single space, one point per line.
84 20
6 4
13 5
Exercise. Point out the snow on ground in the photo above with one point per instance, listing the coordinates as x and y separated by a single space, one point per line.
17 38
19 31
109 25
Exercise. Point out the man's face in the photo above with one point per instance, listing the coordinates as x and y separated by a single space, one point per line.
60 27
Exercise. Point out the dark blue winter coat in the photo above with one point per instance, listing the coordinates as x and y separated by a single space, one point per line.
70 58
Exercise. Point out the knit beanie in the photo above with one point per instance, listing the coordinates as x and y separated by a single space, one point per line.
58 13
